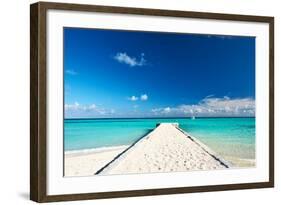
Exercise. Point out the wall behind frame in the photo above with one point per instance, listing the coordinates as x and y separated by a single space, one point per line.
14 103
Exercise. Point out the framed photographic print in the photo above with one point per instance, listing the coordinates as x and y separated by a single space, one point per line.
133 102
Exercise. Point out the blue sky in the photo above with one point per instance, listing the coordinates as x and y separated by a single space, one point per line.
111 73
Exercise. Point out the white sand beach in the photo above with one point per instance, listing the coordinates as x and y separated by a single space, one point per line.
166 149
88 163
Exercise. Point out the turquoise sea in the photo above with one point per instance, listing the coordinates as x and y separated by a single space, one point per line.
229 137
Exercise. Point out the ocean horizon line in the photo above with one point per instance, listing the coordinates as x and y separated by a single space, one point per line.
112 118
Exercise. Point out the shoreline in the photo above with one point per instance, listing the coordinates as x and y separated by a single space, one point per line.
94 150
81 152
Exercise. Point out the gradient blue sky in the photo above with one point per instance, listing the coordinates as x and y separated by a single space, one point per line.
111 73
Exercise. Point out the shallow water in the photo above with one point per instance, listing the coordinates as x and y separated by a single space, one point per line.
228 137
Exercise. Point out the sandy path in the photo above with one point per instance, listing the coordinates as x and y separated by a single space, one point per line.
165 149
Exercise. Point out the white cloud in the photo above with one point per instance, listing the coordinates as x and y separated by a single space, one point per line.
211 106
129 60
74 106
92 110
133 98
71 72
77 106
167 110
144 97
93 106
